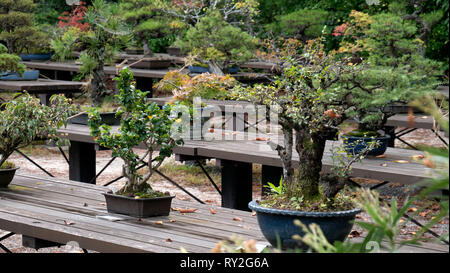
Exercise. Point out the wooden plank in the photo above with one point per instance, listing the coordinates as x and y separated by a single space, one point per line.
419 121
41 86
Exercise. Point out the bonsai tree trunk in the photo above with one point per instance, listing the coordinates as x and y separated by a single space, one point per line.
215 69
98 87
146 47
310 149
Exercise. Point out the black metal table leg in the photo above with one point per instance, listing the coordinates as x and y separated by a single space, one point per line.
236 184
270 174
82 162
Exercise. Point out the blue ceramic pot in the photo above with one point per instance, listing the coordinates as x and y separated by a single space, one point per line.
29 75
233 69
40 57
198 69
354 145
277 223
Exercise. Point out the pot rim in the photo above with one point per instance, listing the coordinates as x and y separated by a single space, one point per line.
386 136
138 199
12 169
254 206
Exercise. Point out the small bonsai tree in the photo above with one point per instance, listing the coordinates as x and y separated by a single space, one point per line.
17 27
10 62
142 122
24 119
218 43
148 21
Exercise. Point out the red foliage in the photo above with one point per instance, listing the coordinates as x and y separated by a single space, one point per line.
75 18
340 30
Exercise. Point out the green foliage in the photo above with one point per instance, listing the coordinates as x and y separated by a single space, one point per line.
7 165
142 123
23 119
65 43
301 24
9 62
277 190
148 21
17 27
213 39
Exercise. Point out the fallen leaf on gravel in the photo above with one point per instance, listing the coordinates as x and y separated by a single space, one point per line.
213 211
381 156
425 213
234 133
68 223
354 234
358 217
158 222
237 219
168 240
102 203
254 213
172 220
411 233
85 205
383 165
401 161
38 183
412 209
261 139
209 201
424 117
187 210
246 227
211 130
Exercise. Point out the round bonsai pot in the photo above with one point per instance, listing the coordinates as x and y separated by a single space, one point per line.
355 144
108 118
36 57
29 75
278 225
6 176
198 69
142 207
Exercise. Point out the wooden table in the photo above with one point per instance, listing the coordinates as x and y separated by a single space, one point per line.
51 212
144 77
237 157
44 88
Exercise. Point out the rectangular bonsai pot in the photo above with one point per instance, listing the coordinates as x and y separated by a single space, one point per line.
142 207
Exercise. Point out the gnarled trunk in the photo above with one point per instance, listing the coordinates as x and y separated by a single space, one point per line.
310 150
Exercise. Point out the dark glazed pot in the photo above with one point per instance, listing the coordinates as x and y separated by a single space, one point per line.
6 176
277 223
354 145
142 207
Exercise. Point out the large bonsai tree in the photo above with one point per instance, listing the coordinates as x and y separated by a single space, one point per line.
148 20
314 96
218 43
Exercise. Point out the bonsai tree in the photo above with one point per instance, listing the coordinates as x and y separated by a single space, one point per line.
313 97
142 122
17 27
24 119
101 42
148 21
10 62
301 24
218 43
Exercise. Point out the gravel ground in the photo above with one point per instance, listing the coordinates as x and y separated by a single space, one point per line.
55 164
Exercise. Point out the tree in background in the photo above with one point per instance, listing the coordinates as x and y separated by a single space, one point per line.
17 27
218 43
148 21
